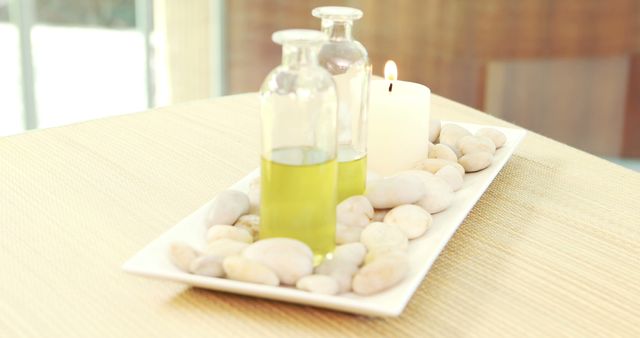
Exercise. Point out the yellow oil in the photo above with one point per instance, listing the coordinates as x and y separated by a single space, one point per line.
352 177
298 198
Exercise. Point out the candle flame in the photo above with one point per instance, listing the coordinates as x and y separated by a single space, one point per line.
390 71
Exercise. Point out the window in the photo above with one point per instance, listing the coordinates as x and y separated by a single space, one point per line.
72 60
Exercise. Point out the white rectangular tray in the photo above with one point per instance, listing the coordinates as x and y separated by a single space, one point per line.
152 261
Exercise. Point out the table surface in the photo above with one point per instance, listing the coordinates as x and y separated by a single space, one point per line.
552 248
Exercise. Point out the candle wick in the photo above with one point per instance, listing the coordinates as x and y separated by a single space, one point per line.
390 87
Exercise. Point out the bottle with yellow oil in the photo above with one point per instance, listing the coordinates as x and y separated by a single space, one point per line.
348 62
299 165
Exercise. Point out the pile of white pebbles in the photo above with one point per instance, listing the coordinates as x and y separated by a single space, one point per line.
372 234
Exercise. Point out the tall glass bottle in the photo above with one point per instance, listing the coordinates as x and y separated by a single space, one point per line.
299 166
348 62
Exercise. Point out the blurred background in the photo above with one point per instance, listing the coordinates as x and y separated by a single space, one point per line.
567 69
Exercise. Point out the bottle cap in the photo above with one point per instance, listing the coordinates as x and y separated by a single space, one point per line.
337 13
299 37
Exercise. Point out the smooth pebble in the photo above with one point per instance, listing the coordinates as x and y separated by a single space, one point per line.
242 269
225 247
382 252
290 259
495 135
340 270
474 144
453 148
411 219
452 176
181 255
220 231
227 207
476 161
443 152
351 252
347 234
354 211
381 274
250 223
439 195
382 235
207 265
321 284
451 133
432 165
396 190
378 215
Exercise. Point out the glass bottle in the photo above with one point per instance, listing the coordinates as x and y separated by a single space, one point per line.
348 62
299 166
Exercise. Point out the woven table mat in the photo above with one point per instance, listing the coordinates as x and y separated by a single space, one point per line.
552 248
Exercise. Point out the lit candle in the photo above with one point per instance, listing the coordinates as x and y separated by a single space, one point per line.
398 123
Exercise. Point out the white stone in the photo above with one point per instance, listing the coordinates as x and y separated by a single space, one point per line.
340 270
395 190
227 207
225 247
382 252
433 165
452 176
380 274
378 215
321 284
475 144
476 161
495 135
217 232
181 255
443 152
451 133
382 235
290 259
347 234
352 252
439 195
411 219
242 269
453 148
251 223
354 211
207 265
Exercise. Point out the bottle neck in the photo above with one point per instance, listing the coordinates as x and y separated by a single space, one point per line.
295 56
337 30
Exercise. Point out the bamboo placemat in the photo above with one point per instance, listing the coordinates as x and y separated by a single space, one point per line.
551 249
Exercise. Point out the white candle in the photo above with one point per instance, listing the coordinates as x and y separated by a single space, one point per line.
398 123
